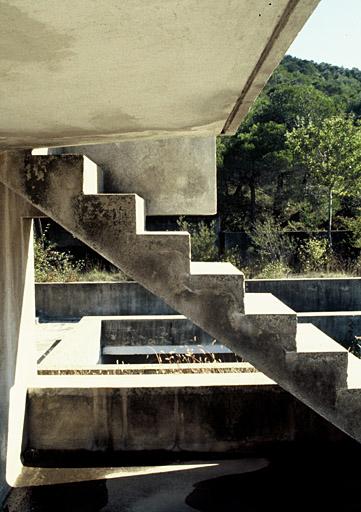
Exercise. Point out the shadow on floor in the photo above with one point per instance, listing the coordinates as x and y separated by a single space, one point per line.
306 478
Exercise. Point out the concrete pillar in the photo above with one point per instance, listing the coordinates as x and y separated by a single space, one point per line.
175 176
17 307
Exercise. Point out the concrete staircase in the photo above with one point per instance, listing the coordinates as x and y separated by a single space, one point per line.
258 327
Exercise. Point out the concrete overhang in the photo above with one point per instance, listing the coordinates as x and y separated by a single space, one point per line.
86 72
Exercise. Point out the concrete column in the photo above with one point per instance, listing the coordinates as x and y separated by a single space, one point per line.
17 307
175 176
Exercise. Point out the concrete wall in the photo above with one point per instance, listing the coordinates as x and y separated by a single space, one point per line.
201 418
62 300
79 299
16 304
337 294
174 176
164 330
334 304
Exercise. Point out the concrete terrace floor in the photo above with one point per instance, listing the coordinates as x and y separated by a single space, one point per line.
48 333
308 478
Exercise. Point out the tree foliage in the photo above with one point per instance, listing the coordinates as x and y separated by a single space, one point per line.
331 154
259 176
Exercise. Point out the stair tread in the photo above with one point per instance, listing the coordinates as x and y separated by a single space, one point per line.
311 339
266 312
265 304
214 267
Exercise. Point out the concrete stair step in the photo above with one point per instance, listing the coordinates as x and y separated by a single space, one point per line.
103 211
271 321
348 404
318 367
265 304
310 339
257 327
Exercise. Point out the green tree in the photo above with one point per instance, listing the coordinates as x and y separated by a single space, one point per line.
331 153
251 157
287 103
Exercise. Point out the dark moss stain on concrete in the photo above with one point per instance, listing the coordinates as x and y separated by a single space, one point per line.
37 179
106 213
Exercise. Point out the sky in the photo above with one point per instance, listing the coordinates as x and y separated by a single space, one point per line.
332 34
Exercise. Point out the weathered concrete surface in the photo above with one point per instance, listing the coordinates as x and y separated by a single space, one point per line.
152 369
124 331
17 303
80 346
74 300
91 341
302 295
152 330
48 334
175 176
336 294
312 367
203 413
93 74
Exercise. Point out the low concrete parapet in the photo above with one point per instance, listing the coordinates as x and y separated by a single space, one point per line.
74 300
333 305
152 330
63 300
187 413
97 339
336 294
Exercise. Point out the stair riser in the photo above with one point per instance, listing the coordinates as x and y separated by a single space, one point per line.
105 213
161 263
317 375
253 335
56 190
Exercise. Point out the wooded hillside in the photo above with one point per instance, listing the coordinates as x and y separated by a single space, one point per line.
258 176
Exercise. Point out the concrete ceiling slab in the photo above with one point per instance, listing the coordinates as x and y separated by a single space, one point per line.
79 72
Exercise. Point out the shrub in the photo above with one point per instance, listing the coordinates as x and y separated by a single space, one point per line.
204 239
356 266
274 270
314 255
231 256
271 243
354 226
53 265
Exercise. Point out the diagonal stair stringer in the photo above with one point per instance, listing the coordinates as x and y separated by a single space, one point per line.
258 327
